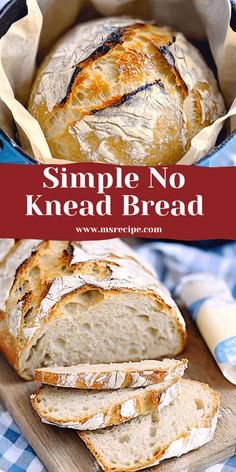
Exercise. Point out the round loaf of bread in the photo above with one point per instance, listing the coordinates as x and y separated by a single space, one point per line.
121 91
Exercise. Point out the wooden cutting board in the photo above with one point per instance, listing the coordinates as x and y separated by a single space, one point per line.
62 451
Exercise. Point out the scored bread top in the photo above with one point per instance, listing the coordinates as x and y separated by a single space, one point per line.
56 270
112 376
119 90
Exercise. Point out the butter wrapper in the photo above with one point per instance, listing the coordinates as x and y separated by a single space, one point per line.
213 309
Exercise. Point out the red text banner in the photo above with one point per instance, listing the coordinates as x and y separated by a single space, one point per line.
98 201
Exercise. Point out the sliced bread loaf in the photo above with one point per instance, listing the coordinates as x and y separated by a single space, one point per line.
112 376
67 303
88 410
185 424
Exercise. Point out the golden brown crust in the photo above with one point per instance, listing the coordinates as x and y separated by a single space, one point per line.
101 378
136 63
51 378
9 344
145 401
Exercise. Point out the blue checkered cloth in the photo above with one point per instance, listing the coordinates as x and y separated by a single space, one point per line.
171 261
16 455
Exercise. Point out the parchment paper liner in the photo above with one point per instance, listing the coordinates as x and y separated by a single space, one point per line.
22 42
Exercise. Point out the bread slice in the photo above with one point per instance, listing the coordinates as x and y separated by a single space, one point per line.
185 424
112 376
88 410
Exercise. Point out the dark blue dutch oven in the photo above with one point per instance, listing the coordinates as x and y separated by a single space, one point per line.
10 151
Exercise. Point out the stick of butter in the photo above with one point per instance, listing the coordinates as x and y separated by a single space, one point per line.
213 309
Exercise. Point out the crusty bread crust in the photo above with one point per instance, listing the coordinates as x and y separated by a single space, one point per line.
117 378
55 272
192 439
145 401
135 94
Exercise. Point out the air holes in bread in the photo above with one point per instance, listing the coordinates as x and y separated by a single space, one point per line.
83 302
60 342
90 297
153 331
131 309
87 326
133 351
145 318
125 438
199 403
